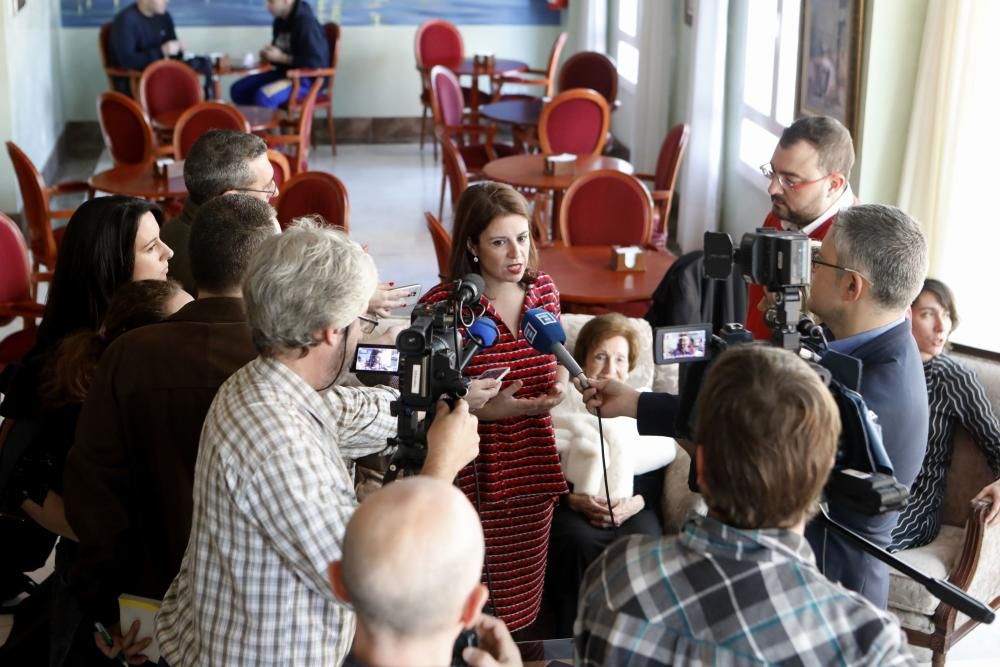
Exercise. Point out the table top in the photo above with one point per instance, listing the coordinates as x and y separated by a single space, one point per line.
583 274
515 112
465 66
138 181
528 171
260 118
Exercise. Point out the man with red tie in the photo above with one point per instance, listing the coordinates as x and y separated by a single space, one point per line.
808 186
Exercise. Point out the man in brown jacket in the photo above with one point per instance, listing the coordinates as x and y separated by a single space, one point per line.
129 475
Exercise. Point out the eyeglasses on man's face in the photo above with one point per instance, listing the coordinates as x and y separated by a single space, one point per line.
817 261
783 181
271 191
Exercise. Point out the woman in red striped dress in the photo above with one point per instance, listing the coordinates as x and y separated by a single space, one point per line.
518 467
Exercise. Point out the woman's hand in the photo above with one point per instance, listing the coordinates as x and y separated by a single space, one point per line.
504 405
991 492
481 391
595 508
384 301
129 646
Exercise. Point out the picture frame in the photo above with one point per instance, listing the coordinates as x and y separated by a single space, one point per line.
830 39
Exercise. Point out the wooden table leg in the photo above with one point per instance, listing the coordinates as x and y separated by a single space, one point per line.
557 197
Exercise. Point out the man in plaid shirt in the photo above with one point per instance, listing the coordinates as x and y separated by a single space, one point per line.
273 489
740 586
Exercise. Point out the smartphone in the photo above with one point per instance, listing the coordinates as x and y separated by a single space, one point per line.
376 359
408 293
494 374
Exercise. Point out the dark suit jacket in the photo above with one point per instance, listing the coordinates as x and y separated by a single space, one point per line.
130 473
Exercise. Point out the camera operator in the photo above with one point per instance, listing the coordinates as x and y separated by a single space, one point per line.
273 489
739 586
412 559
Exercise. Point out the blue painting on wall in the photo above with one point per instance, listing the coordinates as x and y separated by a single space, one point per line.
93 13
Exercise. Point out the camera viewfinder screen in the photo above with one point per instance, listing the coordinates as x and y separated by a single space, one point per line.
372 359
684 344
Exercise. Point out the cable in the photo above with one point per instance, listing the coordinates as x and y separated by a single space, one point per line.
486 552
604 464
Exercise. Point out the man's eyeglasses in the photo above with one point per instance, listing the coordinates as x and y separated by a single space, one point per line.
271 191
368 324
819 262
786 184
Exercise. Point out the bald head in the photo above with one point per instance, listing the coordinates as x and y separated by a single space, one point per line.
412 553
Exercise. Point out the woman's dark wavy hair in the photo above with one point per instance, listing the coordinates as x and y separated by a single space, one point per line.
944 296
96 257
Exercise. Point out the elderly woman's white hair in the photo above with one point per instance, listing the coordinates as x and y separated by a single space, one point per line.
305 279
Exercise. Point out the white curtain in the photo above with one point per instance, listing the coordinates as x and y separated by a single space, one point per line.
701 174
950 166
587 25
652 96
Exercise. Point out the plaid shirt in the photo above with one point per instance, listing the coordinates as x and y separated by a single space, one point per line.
272 497
715 595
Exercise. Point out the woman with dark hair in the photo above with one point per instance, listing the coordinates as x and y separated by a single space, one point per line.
519 479
955 398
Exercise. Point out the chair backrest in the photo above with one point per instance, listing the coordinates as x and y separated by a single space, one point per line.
304 132
279 163
332 31
126 130
168 85
606 207
454 167
36 207
668 164
201 118
590 69
969 472
550 70
104 46
15 268
447 103
314 193
442 243
575 121
437 41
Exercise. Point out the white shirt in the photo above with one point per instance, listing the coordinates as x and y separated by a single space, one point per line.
846 200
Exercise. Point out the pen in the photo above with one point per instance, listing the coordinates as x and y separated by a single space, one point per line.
106 636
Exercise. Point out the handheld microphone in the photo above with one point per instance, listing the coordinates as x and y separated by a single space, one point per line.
468 288
482 333
542 330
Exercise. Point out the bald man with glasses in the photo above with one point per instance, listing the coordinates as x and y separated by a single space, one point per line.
807 182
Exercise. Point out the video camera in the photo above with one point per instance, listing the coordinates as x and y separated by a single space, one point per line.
781 262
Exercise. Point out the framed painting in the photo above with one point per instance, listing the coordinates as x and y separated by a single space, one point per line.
830 60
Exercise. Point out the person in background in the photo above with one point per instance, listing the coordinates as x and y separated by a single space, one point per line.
583 524
298 42
411 564
955 398
739 586
141 34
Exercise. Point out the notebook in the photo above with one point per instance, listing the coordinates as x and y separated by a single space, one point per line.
133 608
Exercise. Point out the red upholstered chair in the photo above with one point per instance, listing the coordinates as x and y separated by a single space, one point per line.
594 70
168 85
279 163
126 130
104 46
437 41
543 77
201 118
37 213
325 75
314 193
575 121
668 166
17 287
606 207
442 243
454 172
296 146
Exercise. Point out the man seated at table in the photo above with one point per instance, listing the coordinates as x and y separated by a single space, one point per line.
220 162
740 585
411 566
141 34
298 42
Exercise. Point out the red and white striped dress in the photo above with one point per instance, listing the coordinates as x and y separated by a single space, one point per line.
518 466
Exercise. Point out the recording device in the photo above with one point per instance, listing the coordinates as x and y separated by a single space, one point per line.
431 359
371 358
544 333
682 344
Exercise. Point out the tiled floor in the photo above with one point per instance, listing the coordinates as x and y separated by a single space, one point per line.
390 186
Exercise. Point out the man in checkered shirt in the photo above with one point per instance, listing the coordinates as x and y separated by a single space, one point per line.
273 489
740 586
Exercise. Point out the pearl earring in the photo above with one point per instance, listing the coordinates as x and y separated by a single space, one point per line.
475 258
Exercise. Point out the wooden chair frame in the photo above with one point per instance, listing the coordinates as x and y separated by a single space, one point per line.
186 117
133 75
442 243
663 198
330 180
426 94
150 150
546 77
281 160
319 73
300 139
454 173
573 95
603 174
612 98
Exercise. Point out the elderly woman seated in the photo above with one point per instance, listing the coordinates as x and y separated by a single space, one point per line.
583 524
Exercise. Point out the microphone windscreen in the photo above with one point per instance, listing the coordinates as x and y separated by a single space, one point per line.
470 287
485 330
542 330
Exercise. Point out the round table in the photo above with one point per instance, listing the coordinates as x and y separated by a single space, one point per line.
528 171
260 118
585 278
514 112
138 181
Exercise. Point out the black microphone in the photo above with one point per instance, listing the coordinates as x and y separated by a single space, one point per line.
544 333
482 333
468 288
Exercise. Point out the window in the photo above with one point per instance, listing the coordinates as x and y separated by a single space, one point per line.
769 79
626 50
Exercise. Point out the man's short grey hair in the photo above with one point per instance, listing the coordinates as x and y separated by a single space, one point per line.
887 246
305 279
219 161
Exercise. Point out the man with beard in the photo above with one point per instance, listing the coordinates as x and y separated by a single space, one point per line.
808 175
